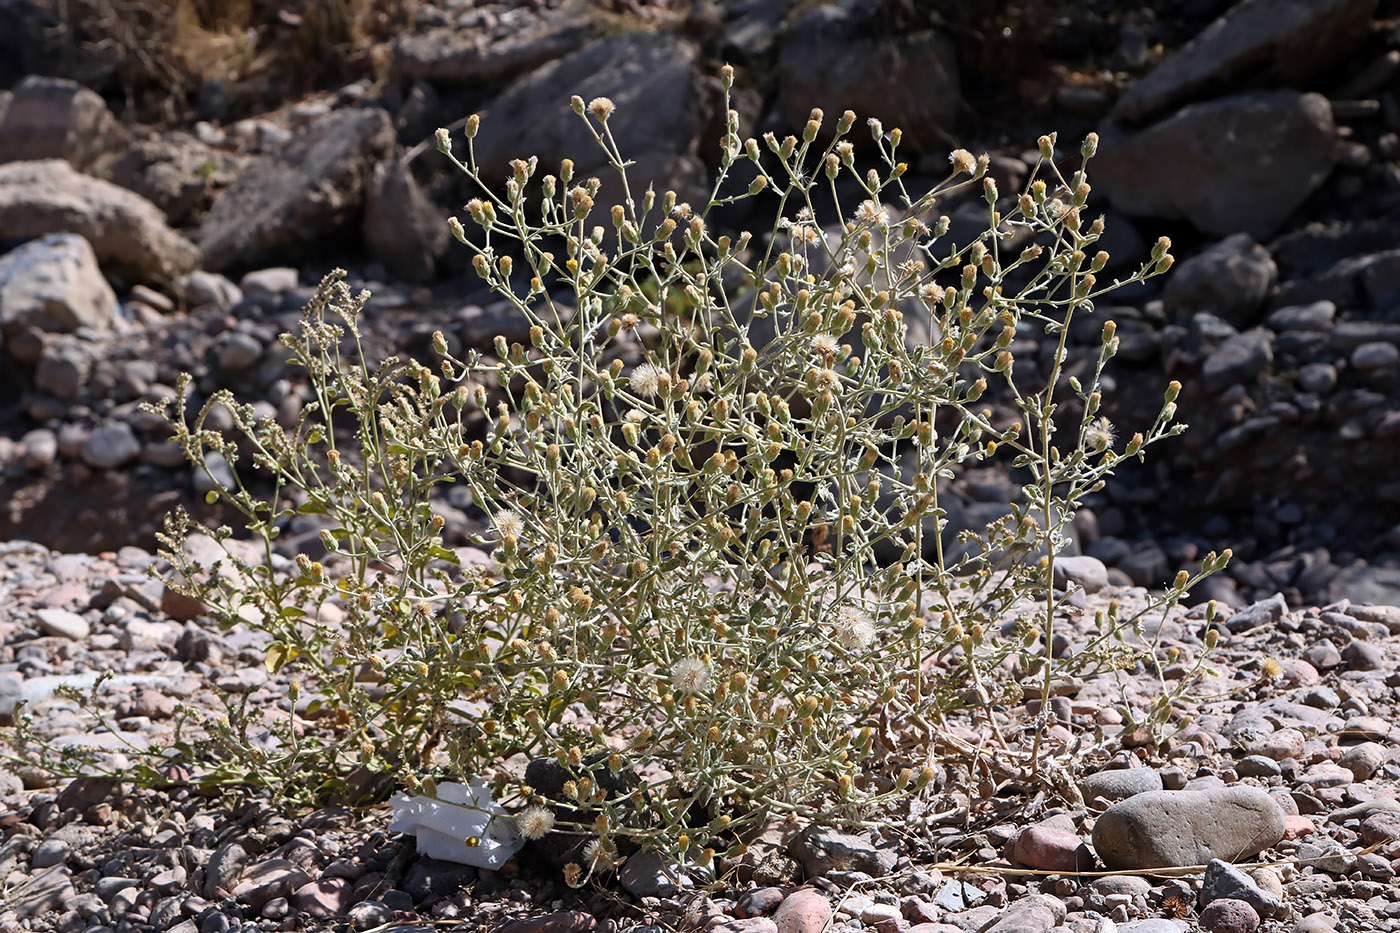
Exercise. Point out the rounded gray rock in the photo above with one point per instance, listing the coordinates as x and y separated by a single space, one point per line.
1171 829
1119 783
110 446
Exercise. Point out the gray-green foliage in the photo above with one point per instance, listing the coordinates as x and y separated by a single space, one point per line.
711 561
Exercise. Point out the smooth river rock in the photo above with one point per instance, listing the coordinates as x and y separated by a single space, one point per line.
1171 829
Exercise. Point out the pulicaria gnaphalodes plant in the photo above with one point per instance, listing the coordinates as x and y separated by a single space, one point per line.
711 484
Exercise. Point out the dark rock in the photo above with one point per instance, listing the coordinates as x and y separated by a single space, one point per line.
449 55
312 189
430 876
1317 316
1264 612
1223 880
652 80
1203 164
1238 359
1259 41
821 850
1230 280
908 81
403 228
178 174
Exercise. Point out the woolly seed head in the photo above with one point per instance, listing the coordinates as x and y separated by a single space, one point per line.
598 856
646 380
1100 435
690 675
534 822
855 630
824 345
871 213
963 161
509 523
601 107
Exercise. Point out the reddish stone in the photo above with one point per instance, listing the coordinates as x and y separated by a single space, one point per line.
1052 848
1296 827
805 910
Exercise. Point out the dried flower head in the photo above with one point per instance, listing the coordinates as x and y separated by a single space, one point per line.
1099 435
824 345
509 523
601 107
646 380
1270 669
871 213
963 161
855 630
534 822
599 856
690 675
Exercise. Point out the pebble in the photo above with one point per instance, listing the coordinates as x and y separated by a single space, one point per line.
110 446
1227 915
1034 914
758 902
1223 880
329 897
63 623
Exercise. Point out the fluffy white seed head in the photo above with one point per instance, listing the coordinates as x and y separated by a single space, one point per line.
646 380
508 522
854 629
690 675
534 822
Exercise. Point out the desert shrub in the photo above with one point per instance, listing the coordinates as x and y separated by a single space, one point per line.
711 483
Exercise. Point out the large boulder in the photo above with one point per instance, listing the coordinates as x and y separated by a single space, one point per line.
54 118
1260 41
403 228
313 188
1242 163
1230 279
128 234
652 80
907 81
55 285
178 174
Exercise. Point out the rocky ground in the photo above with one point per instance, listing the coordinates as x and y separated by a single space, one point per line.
1283 761
152 236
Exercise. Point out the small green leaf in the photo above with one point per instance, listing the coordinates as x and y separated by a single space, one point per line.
211 496
442 553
